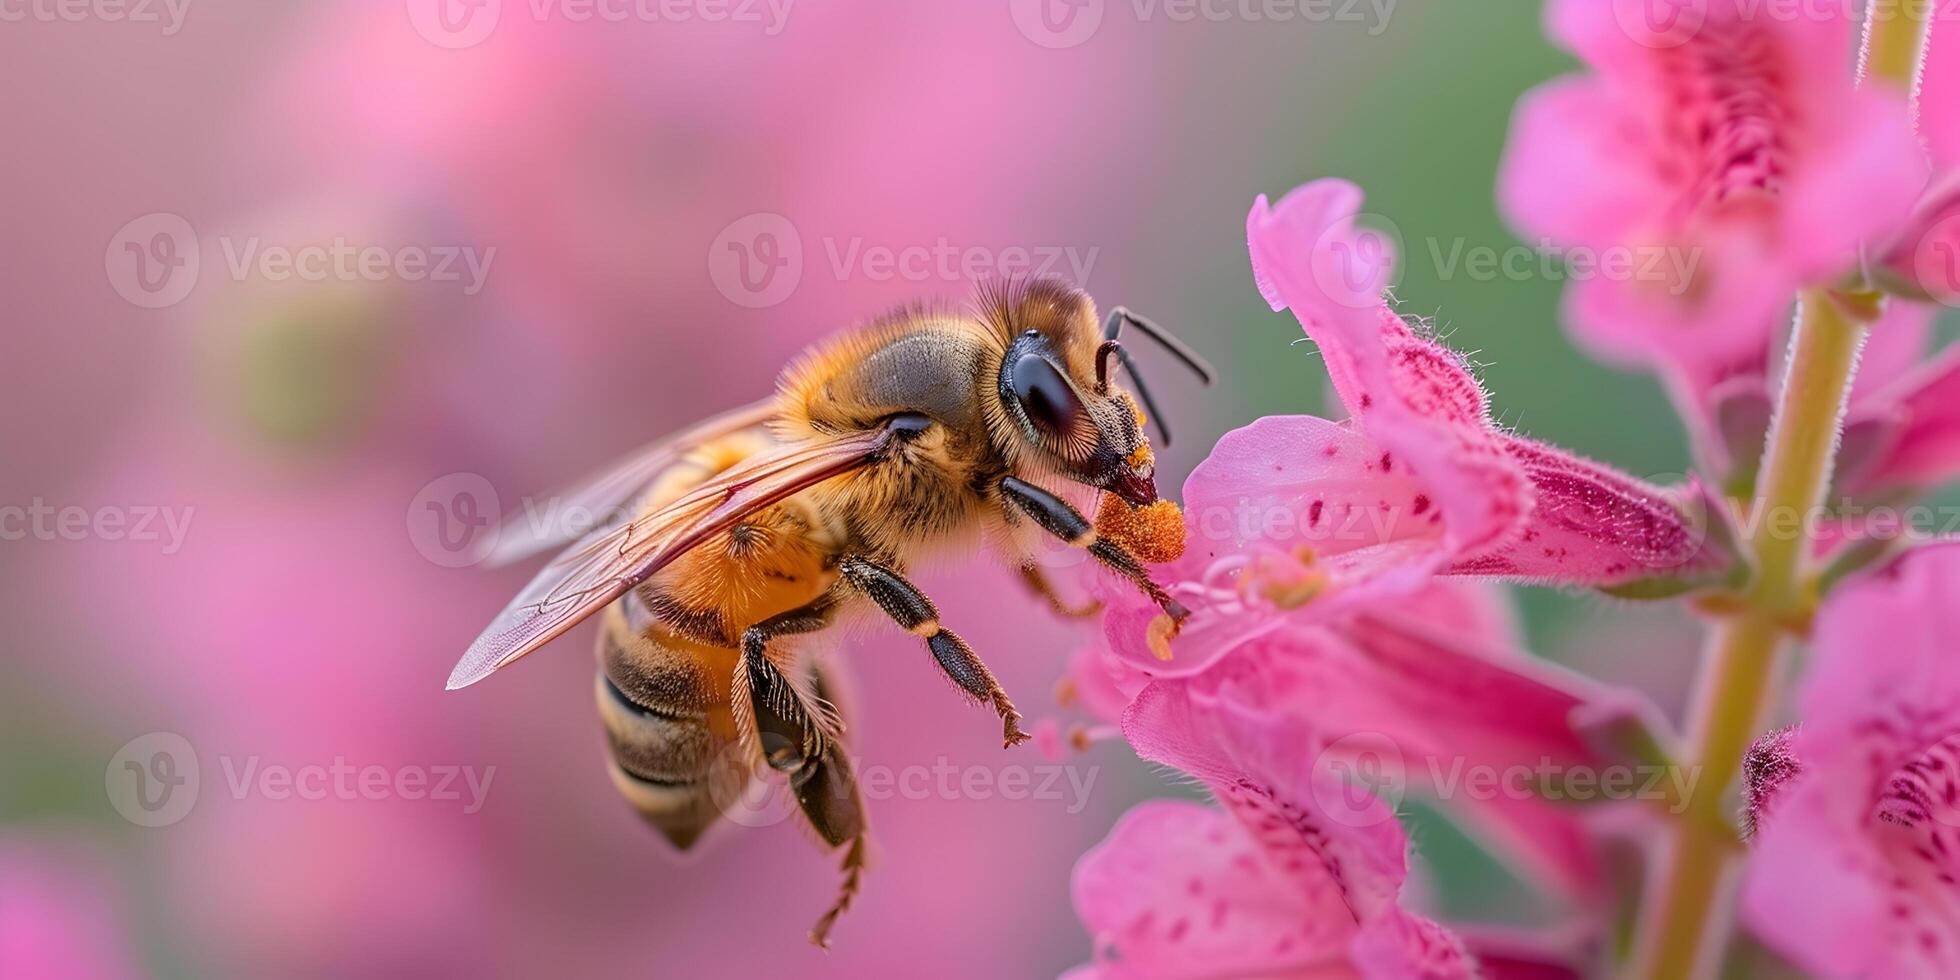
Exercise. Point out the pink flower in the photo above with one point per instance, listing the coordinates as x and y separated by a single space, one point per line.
1719 135
1297 873
1298 517
1901 424
1433 686
1939 92
1924 259
1307 744
1855 867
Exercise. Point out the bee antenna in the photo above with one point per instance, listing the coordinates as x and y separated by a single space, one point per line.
1136 381
1113 325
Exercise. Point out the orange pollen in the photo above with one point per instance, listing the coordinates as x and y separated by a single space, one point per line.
1065 693
1154 532
1159 634
1289 587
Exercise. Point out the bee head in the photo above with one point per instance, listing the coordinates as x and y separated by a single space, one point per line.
1057 390
1089 429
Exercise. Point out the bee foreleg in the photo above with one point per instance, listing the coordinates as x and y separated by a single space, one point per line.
907 606
1059 518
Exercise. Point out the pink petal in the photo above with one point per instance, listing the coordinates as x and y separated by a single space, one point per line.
1403 946
1720 317
1266 490
1453 702
1264 765
1568 178
1336 844
1858 867
1179 889
1104 684
1939 92
1596 526
1412 398
1416 701
1924 260
1893 347
1926 449
1883 639
1718 132
1859 184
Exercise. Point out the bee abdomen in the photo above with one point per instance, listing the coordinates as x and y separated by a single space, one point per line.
668 735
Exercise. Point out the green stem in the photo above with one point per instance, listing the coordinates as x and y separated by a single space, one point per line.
1895 42
1736 689
1740 668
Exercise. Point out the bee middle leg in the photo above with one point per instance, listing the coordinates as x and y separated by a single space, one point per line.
1037 583
908 607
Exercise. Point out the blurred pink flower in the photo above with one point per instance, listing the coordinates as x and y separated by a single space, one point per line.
1854 870
1939 93
59 917
1902 420
1297 516
1719 132
1925 258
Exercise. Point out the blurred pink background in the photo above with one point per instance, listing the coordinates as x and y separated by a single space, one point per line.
295 427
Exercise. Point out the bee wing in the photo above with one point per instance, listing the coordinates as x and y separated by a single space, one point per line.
609 561
608 494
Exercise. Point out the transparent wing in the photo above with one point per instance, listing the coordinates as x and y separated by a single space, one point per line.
611 560
609 495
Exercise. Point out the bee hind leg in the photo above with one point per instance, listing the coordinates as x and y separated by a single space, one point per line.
827 793
853 868
792 732
798 735
907 606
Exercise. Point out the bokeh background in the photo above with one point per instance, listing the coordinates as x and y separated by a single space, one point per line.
611 169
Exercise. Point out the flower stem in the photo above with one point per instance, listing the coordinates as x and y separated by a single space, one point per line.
1739 673
1740 667
1895 43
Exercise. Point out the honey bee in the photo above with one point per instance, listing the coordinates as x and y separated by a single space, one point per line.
764 523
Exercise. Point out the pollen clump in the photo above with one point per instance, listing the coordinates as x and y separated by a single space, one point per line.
1153 532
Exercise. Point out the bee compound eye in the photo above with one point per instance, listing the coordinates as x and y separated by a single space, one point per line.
1045 394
